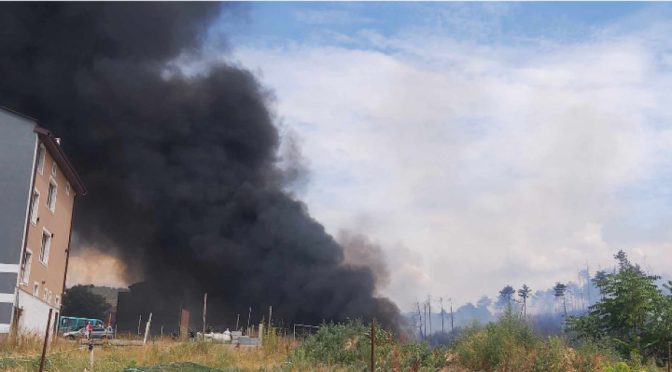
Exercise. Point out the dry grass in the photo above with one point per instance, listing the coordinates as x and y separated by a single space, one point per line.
71 356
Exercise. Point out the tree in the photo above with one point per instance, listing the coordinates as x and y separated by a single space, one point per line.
505 297
524 293
559 291
80 301
484 302
633 313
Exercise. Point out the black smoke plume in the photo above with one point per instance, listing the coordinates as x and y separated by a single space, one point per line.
181 170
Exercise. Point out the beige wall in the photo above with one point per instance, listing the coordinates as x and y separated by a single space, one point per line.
49 275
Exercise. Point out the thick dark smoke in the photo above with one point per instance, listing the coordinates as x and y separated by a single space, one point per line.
182 171
360 251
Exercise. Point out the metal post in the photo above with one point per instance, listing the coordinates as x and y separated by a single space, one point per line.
91 355
294 332
270 314
149 324
237 320
46 339
373 345
205 309
249 314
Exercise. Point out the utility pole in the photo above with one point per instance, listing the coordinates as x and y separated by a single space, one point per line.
441 301
237 320
270 314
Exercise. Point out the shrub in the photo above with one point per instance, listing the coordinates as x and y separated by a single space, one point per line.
349 345
505 344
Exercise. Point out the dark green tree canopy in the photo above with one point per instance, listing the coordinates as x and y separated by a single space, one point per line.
634 314
505 297
81 302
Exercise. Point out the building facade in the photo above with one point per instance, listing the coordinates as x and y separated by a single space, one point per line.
38 187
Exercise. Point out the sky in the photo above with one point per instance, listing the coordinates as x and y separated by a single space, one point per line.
477 144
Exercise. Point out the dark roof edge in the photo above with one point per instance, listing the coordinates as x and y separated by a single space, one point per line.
57 152
5 108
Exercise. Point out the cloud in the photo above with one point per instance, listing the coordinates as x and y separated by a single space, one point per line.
492 164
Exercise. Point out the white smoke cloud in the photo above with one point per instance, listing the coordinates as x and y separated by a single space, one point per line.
492 164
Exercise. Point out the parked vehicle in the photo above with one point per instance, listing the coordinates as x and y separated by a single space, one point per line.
68 324
99 331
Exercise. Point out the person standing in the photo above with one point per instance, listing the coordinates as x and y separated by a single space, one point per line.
89 329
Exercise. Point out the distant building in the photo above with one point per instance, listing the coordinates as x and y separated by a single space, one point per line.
38 186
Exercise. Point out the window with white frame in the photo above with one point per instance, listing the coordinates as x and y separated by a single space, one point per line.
54 168
46 295
26 265
41 154
45 247
51 196
67 188
34 206
58 301
36 289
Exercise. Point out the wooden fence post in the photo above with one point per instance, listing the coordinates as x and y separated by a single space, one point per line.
373 345
46 339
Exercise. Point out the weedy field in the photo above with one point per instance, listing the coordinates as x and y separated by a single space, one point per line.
71 356
506 345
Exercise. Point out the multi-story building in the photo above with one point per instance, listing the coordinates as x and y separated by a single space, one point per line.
38 186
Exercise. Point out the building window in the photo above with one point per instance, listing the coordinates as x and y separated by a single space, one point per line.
54 168
36 289
26 265
41 154
58 301
51 197
46 246
67 188
34 206
46 295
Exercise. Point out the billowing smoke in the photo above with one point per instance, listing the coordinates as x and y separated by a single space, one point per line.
360 251
182 170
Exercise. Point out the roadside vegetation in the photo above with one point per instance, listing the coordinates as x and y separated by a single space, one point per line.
628 329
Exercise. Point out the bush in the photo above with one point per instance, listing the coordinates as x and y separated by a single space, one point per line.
349 345
506 344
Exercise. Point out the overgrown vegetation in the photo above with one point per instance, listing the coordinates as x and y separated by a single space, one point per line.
510 344
626 330
633 315
349 346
